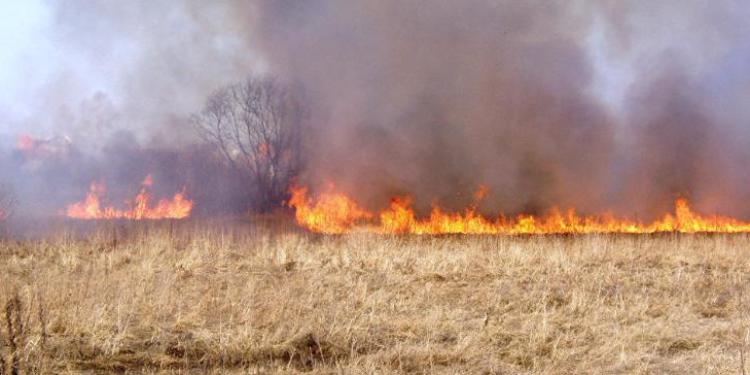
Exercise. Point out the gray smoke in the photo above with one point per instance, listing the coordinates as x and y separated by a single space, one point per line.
137 65
598 105
601 105
107 88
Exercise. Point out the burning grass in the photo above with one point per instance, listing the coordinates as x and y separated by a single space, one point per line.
141 207
334 212
152 298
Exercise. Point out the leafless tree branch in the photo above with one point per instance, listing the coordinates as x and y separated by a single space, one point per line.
257 126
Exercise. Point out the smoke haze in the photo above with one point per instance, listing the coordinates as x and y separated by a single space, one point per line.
601 105
598 105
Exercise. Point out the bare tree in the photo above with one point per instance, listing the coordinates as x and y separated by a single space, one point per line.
257 126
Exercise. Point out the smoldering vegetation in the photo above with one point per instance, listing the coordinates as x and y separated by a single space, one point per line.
601 106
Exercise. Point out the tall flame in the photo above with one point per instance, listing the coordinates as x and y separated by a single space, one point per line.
91 208
333 212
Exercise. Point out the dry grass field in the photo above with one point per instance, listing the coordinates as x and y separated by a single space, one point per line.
156 299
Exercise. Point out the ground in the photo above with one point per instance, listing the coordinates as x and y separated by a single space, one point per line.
194 299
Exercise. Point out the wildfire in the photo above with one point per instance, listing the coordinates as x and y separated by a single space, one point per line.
333 212
141 207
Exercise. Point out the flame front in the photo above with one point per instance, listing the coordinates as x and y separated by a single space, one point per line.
331 213
141 207
334 212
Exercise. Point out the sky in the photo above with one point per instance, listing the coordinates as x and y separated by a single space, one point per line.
26 56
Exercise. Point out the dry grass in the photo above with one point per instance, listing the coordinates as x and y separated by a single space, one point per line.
184 301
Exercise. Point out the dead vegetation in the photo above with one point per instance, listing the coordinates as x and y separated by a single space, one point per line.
178 301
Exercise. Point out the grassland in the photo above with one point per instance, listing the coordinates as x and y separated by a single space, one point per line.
191 300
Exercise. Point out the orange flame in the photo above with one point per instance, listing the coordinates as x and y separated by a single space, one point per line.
179 207
26 142
333 212
33 149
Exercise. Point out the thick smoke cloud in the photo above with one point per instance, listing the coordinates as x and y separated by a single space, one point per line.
435 98
602 105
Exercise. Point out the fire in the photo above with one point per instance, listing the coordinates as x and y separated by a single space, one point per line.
26 142
32 147
141 207
334 212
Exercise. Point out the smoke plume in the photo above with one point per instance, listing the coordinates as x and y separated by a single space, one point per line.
600 105
597 105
